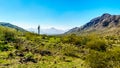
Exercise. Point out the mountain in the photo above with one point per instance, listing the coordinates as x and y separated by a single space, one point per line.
11 26
103 24
49 31
52 31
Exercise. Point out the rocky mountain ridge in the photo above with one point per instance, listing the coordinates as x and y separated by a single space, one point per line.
104 23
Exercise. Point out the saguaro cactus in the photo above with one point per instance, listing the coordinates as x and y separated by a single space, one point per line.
39 29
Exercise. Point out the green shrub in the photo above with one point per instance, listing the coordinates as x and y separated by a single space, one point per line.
9 36
5 47
114 57
97 60
69 50
29 55
97 44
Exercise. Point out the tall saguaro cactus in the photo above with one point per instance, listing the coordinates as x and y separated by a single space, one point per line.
39 29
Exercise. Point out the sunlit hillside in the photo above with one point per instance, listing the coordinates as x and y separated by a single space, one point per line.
28 50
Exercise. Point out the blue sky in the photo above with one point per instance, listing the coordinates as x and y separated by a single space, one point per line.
61 14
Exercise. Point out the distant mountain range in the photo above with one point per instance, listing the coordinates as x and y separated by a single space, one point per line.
49 31
106 23
11 26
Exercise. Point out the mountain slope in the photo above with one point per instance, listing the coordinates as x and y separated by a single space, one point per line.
11 26
104 23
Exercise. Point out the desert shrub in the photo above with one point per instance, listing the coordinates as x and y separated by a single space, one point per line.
29 57
1 36
79 40
11 55
72 39
30 36
54 40
45 52
69 50
19 53
97 59
5 47
68 38
97 44
114 57
9 36
108 59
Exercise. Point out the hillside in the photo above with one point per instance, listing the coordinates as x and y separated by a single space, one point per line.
11 26
28 50
106 23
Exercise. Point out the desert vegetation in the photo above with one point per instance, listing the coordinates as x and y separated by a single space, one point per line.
29 50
